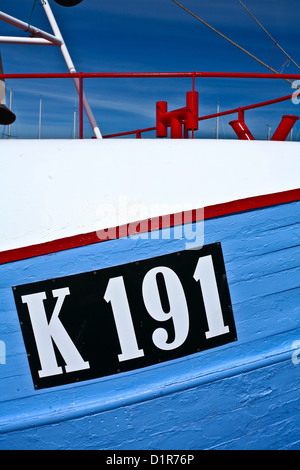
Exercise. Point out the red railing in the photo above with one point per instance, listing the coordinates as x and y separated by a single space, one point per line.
193 75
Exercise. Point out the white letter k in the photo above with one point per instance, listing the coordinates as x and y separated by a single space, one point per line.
45 332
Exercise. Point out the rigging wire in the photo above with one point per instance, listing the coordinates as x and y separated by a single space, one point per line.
30 17
272 54
228 39
268 34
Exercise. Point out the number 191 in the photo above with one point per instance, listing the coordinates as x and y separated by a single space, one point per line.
116 294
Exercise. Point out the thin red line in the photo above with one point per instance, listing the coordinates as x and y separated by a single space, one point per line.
193 100
153 75
148 129
218 210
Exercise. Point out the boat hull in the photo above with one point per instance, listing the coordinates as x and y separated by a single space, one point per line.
240 395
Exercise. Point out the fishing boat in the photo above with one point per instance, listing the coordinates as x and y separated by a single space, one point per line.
149 288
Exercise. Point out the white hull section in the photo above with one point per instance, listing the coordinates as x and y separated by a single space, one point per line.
51 189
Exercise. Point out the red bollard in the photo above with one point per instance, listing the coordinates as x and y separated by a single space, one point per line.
284 127
241 130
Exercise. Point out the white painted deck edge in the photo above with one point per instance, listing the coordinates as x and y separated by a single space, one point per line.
51 189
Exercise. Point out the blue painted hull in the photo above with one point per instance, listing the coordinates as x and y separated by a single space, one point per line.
242 395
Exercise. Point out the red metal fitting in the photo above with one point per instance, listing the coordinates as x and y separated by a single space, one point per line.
176 128
175 119
192 110
285 127
241 130
161 110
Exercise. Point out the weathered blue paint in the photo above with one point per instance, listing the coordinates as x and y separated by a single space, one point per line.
244 395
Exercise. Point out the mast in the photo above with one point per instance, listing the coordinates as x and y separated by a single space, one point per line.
40 37
70 66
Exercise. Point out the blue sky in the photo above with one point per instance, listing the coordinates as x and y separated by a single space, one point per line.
151 36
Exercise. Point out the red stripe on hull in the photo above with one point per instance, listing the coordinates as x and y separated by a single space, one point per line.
217 210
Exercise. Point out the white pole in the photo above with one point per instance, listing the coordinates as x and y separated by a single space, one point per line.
71 67
28 28
19 40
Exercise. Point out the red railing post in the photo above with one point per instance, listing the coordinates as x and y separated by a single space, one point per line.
80 106
241 114
194 75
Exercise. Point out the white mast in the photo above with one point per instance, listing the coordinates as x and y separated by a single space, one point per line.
43 38
70 66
